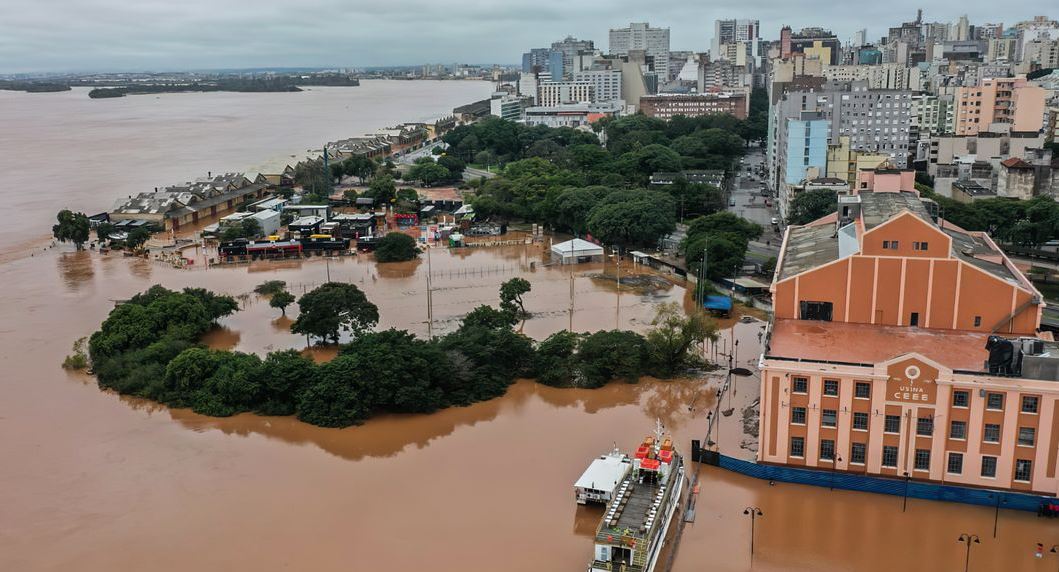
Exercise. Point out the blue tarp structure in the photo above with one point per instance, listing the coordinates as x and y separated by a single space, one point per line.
719 304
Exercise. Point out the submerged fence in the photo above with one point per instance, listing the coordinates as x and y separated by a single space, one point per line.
874 484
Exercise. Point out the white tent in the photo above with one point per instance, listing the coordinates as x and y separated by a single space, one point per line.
576 251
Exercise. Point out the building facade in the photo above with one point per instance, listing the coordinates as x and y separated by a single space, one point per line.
877 361
1005 100
667 105
606 83
641 36
570 48
552 93
745 32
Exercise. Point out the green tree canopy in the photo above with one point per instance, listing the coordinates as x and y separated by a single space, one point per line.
633 218
614 354
382 189
396 247
672 338
511 292
808 206
72 227
332 308
281 300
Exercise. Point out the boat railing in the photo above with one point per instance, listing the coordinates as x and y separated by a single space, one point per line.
615 566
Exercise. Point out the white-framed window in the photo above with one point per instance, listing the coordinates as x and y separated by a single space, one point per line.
988 466
1023 470
955 464
922 460
1027 436
889 456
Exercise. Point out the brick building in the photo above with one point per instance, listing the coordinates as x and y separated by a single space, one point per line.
666 105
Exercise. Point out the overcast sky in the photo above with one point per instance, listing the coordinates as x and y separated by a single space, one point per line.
82 35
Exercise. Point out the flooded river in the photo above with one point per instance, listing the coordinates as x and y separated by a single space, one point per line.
92 481
64 150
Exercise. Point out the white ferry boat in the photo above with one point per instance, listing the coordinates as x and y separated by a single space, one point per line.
633 529
599 481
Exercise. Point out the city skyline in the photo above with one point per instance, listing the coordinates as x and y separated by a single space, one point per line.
106 35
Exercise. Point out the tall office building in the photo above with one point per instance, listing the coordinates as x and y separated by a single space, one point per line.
860 38
641 36
571 47
732 32
543 60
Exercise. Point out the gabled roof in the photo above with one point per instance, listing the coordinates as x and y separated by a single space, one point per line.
816 244
1016 163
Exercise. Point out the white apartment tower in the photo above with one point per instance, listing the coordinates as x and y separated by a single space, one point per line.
641 36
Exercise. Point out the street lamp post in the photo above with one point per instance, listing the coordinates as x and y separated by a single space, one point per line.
753 512
834 469
908 477
996 512
968 539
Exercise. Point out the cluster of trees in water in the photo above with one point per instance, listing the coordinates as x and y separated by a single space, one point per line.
566 179
149 347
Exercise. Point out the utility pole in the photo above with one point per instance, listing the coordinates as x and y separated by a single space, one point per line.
571 326
617 307
430 300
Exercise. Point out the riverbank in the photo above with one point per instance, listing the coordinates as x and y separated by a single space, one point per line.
124 146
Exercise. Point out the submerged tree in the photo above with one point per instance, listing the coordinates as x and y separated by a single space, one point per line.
72 227
511 296
281 300
396 247
670 341
332 308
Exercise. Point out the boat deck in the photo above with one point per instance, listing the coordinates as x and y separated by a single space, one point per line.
629 514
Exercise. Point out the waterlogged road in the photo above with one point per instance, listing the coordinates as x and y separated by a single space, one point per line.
94 481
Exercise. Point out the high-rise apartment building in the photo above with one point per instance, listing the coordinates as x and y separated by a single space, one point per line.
882 76
641 36
875 121
1010 100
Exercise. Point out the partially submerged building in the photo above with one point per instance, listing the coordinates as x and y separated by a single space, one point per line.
179 206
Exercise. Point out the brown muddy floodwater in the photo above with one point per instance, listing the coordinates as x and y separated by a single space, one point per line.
91 481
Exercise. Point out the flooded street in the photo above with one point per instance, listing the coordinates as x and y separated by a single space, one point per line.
94 481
